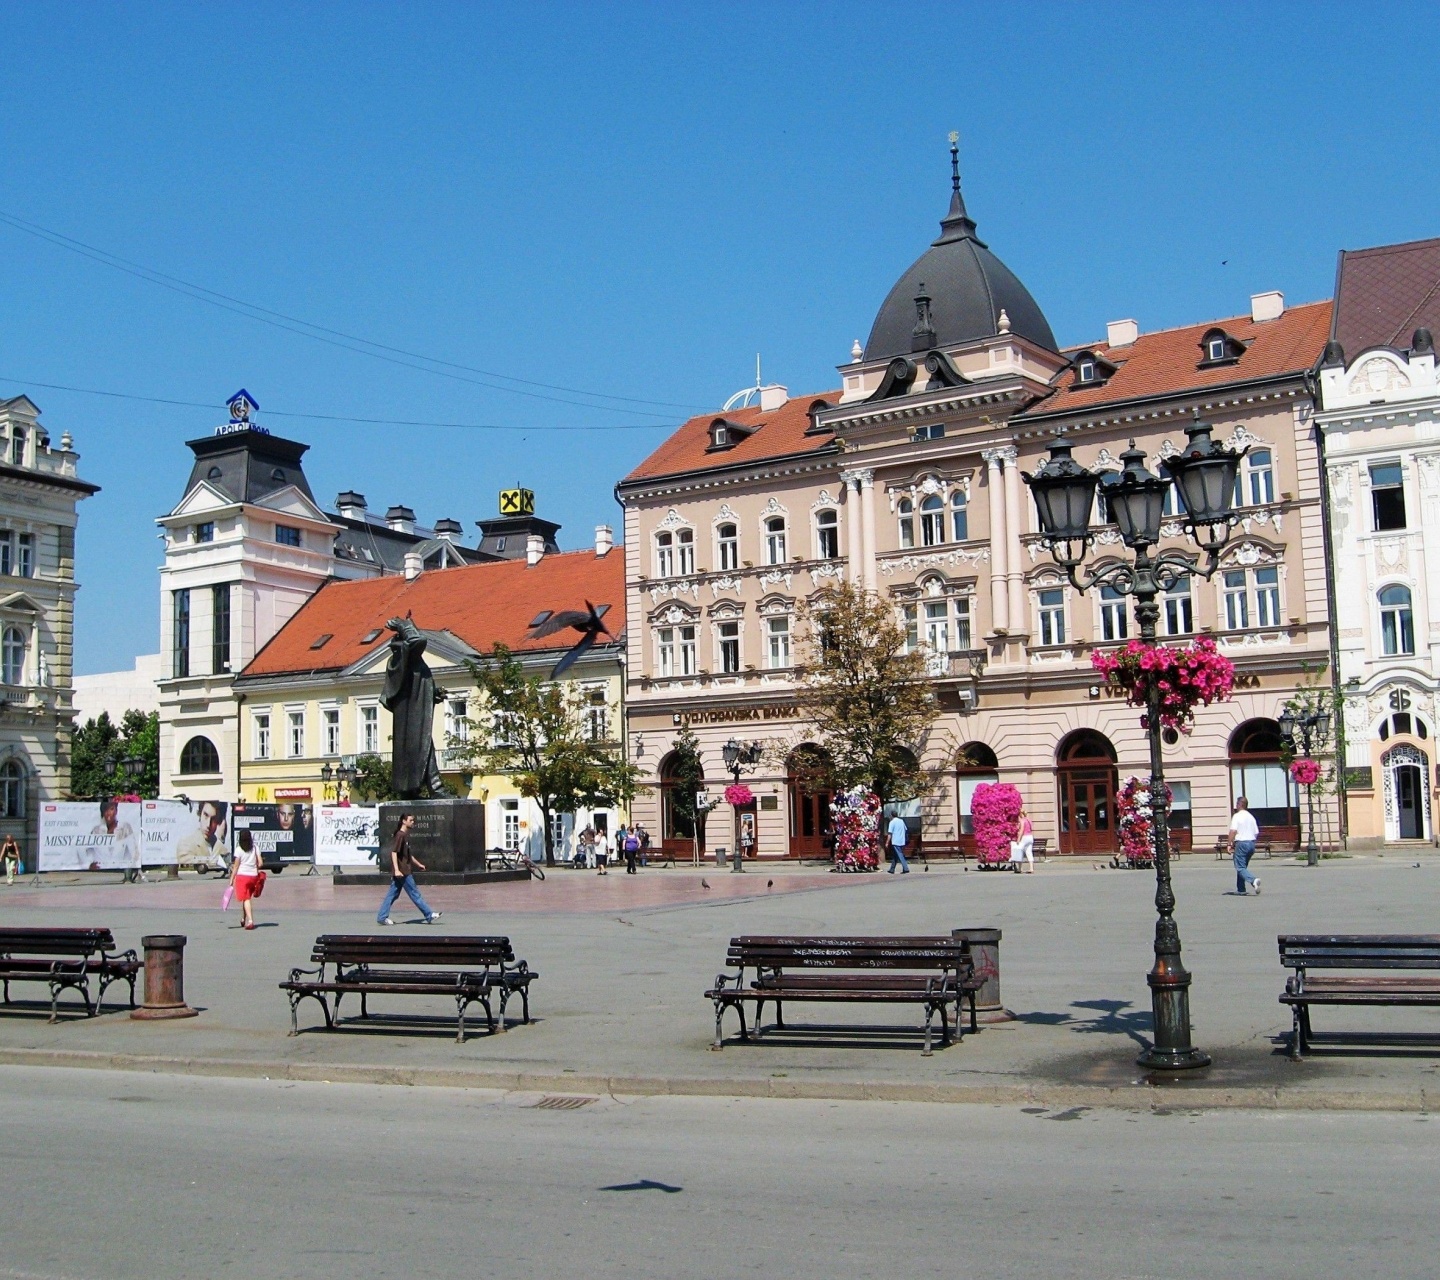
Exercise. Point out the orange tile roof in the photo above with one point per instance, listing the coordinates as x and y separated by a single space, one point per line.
480 603
1164 363
775 434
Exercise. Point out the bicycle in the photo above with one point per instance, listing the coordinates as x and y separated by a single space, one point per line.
515 860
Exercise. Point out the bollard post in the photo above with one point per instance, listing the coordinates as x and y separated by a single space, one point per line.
164 978
985 951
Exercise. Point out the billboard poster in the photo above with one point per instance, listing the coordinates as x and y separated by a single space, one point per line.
283 833
164 825
90 835
347 835
202 841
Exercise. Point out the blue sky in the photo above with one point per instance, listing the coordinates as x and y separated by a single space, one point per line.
629 200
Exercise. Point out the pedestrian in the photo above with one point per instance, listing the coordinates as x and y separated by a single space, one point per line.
1023 846
403 865
1244 831
632 851
585 847
245 879
898 833
602 851
10 852
644 845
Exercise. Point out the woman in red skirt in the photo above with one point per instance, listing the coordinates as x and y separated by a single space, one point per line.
245 875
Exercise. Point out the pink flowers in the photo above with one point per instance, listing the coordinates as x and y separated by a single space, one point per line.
1136 821
856 818
1187 676
738 795
995 811
1305 771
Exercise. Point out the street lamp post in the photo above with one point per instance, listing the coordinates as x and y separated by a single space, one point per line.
1314 730
737 756
1064 493
342 776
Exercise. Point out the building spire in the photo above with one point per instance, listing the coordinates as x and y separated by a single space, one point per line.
957 224
954 162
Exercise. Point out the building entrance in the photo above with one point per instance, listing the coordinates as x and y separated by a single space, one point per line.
1085 772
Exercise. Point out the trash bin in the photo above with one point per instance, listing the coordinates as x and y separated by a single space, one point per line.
985 951
721 853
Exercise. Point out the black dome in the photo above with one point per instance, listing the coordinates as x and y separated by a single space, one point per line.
967 287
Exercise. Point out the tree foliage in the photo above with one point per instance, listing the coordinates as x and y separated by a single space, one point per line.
534 730
137 736
686 773
374 781
871 702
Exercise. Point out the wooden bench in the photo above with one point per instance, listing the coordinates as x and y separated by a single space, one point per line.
1404 969
1263 848
471 970
934 972
66 958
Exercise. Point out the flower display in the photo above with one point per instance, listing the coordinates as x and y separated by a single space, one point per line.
1305 771
995 812
738 795
1135 822
1187 676
856 818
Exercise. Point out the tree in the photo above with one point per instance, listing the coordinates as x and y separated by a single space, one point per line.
536 733
99 740
871 701
687 778
373 780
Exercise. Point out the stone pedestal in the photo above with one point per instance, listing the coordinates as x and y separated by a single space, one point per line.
985 951
164 978
449 836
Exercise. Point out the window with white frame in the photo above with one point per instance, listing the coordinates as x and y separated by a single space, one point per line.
905 510
1255 481
17 446
1252 597
557 832
1387 496
932 521
7 552
370 730
910 616
962 621
597 717
1397 621
777 643
728 634
261 734
510 824
685 549
1051 603
1267 596
295 734
1114 618
664 555
1237 599
727 543
25 555
1174 504
330 730
457 725
1179 609
937 626
775 540
827 534
665 652
12 656
959 516
688 664
12 789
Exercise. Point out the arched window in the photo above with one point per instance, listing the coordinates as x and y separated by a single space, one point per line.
727 540
664 555
906 511
12 656
200 756
959 516
827 534
685 542
1397 621
1258 773
975 763
12 789
1255 485
775 540
932 521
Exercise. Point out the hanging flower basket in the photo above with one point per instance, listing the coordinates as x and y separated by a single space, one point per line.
1305 771
995 812
738 795
1189 676
856 818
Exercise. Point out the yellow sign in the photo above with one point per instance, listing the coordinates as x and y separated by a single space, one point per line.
517 502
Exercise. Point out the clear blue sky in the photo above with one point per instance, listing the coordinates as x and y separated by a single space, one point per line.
634 201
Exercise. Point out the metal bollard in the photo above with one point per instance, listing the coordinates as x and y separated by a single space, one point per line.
164 978
720 856
985 951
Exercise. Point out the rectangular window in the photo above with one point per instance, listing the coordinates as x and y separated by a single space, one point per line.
688 665
597 722
827 535
7 552
17 446
1267 597
262 735
370 730
962 622
220 628
25 555
295 734
1052 616
287 536
457 725
931 431
685 541
911 614
665 652
777 632
729 633
180 645
1387 496
1237 601
1114 620
330 723
937 626
510 824
1179 609
557 832
205 532
932 522
1179 806
959 516
728 536
775 541
1260 464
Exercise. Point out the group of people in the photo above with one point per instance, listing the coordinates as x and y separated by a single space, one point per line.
594 847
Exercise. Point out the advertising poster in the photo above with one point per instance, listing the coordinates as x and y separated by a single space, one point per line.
90 835
164 825
202 841
347 835
284 834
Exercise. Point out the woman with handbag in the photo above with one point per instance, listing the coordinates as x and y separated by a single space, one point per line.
246 876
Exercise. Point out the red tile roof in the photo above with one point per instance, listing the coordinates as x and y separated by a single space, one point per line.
480 603
1383 295
1164 363
774 434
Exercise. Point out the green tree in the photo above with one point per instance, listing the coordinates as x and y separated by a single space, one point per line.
534 731
687 776
100 740
871 701
373 780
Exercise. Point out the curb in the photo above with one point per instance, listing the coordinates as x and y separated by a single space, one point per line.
1053 1097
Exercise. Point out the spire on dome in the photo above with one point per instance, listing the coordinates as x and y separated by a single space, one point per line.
957 224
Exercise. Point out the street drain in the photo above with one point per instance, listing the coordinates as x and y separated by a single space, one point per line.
563 1102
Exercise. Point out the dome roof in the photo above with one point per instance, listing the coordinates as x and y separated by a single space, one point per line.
963 288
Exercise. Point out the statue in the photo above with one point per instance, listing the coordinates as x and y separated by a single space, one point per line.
410 695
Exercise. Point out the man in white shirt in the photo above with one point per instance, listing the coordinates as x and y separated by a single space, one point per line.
1244 831
899 833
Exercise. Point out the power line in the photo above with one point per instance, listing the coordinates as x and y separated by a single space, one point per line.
336 337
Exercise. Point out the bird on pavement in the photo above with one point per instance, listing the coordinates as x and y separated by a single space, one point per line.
770 884
586 621
704 884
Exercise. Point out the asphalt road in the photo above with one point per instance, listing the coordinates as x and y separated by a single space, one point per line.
120 1175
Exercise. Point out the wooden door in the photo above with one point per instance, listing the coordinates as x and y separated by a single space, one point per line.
1087 809
809 821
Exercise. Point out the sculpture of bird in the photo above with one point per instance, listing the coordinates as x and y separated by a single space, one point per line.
587 622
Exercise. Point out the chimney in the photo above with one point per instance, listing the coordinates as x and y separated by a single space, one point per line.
450 530
1267 306
351 505
772 397
604 539
414 566
401 519
1121 333
534 549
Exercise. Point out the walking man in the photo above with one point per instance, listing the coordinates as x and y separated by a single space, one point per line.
1244 831
403 865
899 833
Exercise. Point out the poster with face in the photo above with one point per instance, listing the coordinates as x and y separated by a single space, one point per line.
283 834
204 842
99 835
347 835
164 826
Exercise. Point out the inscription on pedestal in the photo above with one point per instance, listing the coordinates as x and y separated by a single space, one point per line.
449 835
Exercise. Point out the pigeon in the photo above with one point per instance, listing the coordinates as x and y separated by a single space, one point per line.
770 884
704 884
587 622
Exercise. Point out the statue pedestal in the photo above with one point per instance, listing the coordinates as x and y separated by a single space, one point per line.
449 836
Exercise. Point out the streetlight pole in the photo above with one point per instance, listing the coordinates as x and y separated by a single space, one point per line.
1314 729
1064 494
737 756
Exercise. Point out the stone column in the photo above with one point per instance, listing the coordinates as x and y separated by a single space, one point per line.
867 527
1014 523
853 548
999 545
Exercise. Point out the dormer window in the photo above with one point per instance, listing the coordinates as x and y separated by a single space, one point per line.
1092 370
1089 371
1215 349
719 438
1218 347
725 434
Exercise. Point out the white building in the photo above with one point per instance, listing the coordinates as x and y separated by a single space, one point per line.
1380 421
113 693
39 491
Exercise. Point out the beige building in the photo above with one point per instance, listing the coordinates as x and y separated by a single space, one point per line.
907 480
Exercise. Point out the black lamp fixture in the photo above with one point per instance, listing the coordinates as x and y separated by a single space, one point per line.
1312 729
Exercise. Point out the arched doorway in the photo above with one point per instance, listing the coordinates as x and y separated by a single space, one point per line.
1086 777
975 763
678 825
908 807
809 801
1407 793
1258 773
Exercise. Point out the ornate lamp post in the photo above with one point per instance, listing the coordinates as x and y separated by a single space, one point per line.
737 756
342 776
1314 729
1064 492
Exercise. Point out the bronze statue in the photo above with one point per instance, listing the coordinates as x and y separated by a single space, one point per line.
410 695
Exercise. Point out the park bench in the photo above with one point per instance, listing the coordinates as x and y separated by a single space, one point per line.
66 958
471 970
936 973
1263 848
1402 969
